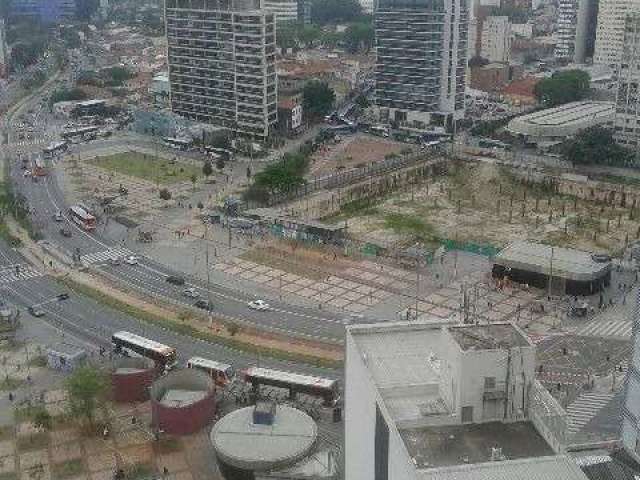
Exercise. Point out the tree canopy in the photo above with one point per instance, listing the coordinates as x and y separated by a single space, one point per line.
317 98
563 87
335 11
595 145
359 36
87 388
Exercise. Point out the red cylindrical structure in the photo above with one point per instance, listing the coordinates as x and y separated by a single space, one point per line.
182 402
131 379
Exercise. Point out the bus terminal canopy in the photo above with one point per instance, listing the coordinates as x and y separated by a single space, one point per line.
570 264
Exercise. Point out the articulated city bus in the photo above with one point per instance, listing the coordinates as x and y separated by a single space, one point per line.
81 217
54 148
221 373
132 345
321 387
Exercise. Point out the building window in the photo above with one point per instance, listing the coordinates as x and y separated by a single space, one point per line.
467 414
489 383
381 447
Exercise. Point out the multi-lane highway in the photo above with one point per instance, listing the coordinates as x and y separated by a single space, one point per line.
91 321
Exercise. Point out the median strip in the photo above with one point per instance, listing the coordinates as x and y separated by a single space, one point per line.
176 325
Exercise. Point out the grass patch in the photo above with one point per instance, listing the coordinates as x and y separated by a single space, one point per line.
184 329
38 361
10 383
70 468
27 413
8 476
146 167
140 471
618 179
167 445
6 432
412 225
37 441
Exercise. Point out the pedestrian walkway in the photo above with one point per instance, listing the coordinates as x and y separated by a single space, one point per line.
621 328
105 255
586 407
14 273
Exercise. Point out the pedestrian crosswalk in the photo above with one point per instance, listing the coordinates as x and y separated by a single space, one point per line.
105 255
14 273
621 327
586 406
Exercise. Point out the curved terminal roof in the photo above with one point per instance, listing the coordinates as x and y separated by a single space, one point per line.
242 444
565 120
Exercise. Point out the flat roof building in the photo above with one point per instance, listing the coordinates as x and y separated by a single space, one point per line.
571 271
554 125
429 401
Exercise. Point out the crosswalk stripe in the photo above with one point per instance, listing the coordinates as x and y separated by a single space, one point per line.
611 328
9 274
585 408
103 256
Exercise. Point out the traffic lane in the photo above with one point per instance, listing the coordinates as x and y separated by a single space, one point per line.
232 307
87 319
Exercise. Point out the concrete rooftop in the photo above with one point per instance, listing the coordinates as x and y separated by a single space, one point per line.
488 337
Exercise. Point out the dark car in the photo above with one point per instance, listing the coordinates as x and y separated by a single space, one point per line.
175 280
204 305
65 232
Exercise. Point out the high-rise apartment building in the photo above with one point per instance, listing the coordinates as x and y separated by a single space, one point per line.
421 57
289 10
576 30
612 15
631 406
47 11
627 118
222 63
4 54
496 39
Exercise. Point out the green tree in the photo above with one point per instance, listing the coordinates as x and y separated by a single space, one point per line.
25 53
286 36
42 419
207 169
284 175
362 101
220 163
335 11
116 76
165 194
308 34
595 145
66 95
86 388
359 36
85 9
563 87
317 99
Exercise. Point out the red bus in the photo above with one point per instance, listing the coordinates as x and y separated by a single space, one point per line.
132 345
221 373
82 218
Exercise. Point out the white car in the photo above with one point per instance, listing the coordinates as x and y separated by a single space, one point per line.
131 260
190 292
260 305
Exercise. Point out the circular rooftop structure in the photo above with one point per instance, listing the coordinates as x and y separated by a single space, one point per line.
182 402
242 444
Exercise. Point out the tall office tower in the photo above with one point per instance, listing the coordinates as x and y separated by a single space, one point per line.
631 406
627 119
496 39
4 54
222 63
421 50
367 6
576 29
610 30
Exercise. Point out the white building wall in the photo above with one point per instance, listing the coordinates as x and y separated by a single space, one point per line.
284 10
360 400
610 30
496 39
367 6
631 408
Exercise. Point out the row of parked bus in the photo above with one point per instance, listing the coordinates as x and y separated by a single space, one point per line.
165 358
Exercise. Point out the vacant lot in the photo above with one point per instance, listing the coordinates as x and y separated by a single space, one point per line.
153 169
488 205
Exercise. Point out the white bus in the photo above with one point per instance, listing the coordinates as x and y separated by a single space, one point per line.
132 345
221 373
177 143
81 217
54 148
316 386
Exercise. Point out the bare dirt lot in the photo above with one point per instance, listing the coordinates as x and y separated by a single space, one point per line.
352 151
487 204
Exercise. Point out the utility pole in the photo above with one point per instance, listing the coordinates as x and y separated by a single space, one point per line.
206 254
550 272
417 285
